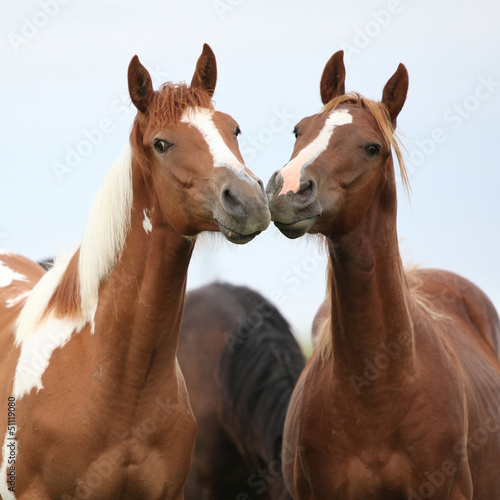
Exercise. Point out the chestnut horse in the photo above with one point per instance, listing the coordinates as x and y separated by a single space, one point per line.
88 359
401 398
241 363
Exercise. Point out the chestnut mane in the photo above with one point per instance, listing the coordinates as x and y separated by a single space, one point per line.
172 99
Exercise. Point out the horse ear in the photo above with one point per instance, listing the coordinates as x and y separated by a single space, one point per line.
333 79
139 85
395 90
205 74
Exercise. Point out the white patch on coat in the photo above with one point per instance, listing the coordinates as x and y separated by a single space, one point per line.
293 170
102 244
8 275
16 300
36 351
34 308
146 223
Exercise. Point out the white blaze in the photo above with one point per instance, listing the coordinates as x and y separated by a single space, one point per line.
202 119
292 171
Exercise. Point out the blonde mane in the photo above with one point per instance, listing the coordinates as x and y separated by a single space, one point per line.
70 289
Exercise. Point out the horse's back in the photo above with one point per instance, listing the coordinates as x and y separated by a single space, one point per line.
459 300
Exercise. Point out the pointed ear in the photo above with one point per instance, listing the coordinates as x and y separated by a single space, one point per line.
394 94
333 79
139 85
205 74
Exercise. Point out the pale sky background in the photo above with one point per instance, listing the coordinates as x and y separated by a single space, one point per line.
63 75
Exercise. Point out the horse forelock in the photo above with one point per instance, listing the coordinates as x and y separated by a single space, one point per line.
168 106
381 114
173 99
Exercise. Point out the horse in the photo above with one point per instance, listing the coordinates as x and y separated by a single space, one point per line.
240 362
401 397
98 406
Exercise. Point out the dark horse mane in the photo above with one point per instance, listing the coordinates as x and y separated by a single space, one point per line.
260 366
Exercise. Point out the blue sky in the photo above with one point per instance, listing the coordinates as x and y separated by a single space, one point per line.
64 101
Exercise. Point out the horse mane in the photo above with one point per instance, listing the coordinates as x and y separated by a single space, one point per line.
258 373
379 111
381 114
70 288
172 99
323 342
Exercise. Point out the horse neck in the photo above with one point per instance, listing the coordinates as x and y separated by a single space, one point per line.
141 303
371 324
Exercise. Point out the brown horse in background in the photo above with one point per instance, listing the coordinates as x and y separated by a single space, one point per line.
240 362
401 398
97 403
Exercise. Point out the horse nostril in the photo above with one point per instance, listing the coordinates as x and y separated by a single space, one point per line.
307 192
231 203
274 184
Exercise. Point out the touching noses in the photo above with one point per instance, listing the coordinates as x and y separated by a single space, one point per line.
235 198
302 198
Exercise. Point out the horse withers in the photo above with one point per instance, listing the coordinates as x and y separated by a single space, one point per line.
98 406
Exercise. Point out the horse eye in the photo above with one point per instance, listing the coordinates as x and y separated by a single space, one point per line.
238 131
295 133
162 146
372 150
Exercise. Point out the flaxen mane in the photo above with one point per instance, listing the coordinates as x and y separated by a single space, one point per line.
70 290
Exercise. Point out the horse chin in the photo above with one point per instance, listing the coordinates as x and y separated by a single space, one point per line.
296 229
234 236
